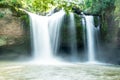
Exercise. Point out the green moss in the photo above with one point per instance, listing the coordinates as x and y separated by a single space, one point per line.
2 42
1 15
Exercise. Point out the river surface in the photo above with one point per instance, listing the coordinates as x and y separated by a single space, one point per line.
24 71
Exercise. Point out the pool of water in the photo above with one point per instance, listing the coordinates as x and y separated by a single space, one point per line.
24 71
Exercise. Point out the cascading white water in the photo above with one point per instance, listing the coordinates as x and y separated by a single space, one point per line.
41 39
73 40
45 32
55 24
90 30
91 37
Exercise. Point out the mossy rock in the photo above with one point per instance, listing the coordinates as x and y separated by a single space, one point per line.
3 42
1 15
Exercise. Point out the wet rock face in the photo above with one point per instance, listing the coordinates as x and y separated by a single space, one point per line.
13 37
11 31
118 39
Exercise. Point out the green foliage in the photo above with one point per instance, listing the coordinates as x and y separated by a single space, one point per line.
1 15
68 6
10 3
117 12
2 40
14 5
41 6
98 6
44 6
25 20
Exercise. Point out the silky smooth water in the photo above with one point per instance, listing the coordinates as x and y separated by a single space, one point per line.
45 32
41 39
90 37
73 40
55 24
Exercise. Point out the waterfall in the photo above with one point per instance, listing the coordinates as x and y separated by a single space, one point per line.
45 32
90 37
55 24
41 39
73 40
